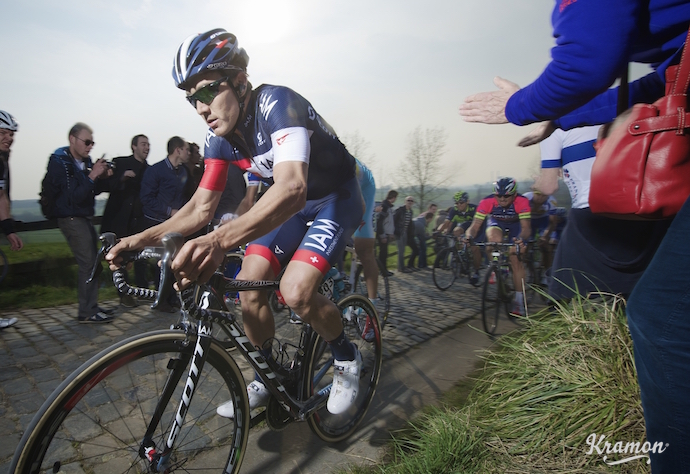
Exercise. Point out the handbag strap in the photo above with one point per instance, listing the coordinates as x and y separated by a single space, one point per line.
680 87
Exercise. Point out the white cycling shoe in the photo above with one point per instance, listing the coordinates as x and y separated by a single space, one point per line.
258 397
345 384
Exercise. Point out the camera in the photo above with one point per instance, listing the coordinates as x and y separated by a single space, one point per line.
110 165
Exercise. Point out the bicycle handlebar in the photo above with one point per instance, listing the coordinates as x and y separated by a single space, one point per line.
171 244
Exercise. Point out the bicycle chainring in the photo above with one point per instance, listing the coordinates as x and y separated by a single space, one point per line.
277 418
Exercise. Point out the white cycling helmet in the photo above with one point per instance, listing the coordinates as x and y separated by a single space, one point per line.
8 122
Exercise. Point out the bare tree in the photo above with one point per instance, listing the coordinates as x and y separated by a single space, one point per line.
358 146
422 172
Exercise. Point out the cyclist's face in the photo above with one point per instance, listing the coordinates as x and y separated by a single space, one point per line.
6 139
461 206
221 115
505 200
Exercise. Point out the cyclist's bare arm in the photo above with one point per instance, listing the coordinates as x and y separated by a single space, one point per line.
525 229
192 217
200 257
445 226
553 223
547 181
474 228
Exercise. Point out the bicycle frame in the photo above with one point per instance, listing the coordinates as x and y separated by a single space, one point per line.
299 409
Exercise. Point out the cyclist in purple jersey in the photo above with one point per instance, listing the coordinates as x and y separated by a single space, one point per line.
276 134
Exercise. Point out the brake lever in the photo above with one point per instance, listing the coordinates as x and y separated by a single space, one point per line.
108 241
172 243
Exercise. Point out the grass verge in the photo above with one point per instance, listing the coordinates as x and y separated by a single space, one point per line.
541 392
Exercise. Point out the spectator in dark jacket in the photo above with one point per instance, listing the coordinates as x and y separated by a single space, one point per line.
163 189
403 220
123 215
385 227
77 181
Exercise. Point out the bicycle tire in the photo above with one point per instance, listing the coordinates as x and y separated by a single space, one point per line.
445 269
383 290
99 414
491 300
507 291
358 316
4 266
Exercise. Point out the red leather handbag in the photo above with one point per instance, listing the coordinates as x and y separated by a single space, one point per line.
642 168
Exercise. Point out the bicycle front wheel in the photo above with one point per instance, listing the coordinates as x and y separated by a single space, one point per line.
446 268
362 328
96 420
491 300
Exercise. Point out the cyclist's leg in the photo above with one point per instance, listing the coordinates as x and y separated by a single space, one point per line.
365 251
335 219
364 235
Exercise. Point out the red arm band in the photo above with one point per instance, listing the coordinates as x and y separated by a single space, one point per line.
215 174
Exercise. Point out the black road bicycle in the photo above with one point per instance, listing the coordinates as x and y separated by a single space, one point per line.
498 289
452 262
148 404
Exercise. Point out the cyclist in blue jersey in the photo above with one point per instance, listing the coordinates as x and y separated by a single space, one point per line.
507 216
276 134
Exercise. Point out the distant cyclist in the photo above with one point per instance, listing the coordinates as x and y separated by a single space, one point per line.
507 217
544 222
276 134
458 221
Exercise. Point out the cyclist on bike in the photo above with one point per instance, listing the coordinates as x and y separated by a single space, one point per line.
544 221
8 126
507 216
276 134
458 221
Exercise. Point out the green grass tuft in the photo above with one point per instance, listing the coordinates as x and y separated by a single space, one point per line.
543 389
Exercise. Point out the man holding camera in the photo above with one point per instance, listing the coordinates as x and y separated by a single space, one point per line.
77 181
123 213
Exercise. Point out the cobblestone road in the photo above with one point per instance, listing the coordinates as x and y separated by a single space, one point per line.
46 345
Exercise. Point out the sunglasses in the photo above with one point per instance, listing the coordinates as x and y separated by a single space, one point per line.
207 93
86 142
504 195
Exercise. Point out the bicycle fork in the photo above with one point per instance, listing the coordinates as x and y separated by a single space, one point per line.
160 462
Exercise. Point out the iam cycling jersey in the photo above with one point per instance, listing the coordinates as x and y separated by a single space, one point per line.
280 125
572 150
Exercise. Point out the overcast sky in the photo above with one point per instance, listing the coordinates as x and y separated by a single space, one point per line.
379 68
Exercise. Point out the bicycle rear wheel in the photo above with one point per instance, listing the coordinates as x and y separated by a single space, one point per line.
95 421
491 300
446 268
361 327
382 293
